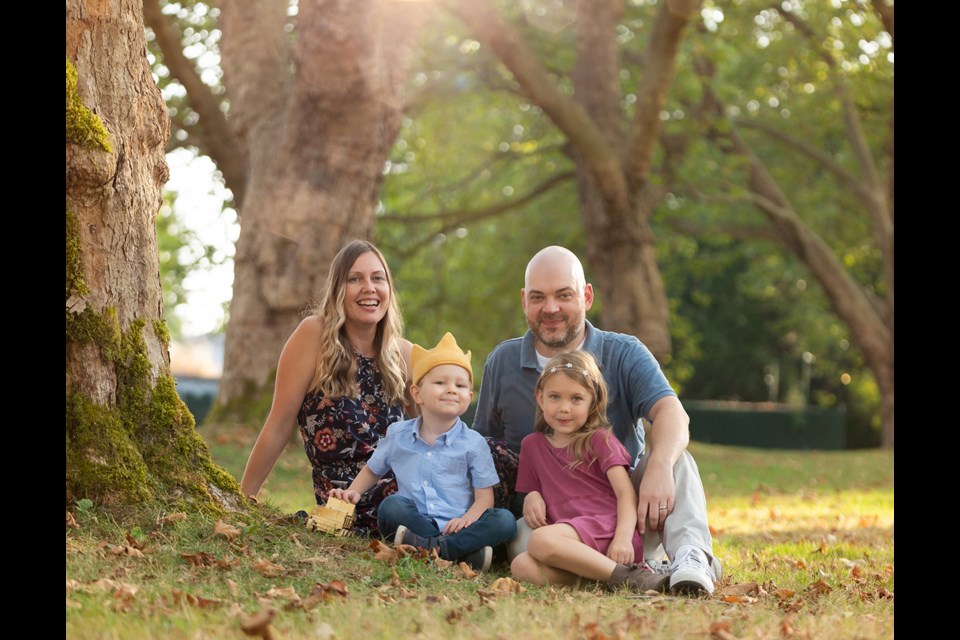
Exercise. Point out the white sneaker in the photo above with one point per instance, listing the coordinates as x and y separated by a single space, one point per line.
692 573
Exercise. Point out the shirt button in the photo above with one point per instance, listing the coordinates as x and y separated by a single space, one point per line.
426 483
430 454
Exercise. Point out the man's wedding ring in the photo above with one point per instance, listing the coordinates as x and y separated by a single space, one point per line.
663 508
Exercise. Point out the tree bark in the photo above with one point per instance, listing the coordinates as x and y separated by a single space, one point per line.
318 122
129 436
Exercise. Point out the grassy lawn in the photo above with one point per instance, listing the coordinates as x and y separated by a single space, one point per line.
806 539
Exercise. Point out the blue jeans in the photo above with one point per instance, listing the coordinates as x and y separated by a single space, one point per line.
493 527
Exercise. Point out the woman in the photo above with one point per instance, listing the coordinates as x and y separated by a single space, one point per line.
342 377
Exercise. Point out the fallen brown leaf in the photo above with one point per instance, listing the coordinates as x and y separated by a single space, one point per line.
435 599
507 584
124 550
786 625
735 599
330 589
407 594
801 564
228 531
741 589
720 630
258 624
172 517
71 521
283 593
452 616
383 552
233 587
131 541
315 560
819 587
197 601
784 594
198 559
823 547
268 569
468 572
856 572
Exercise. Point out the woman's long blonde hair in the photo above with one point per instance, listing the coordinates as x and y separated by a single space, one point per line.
581 367
336 372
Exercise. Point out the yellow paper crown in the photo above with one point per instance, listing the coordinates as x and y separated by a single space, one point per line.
446 352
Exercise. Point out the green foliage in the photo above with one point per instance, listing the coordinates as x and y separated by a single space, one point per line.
83 126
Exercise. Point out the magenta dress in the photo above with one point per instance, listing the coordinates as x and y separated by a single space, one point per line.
583 497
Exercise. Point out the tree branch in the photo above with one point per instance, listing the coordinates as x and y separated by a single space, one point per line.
453 219
660 61
844 176
213 137
491 29
885 9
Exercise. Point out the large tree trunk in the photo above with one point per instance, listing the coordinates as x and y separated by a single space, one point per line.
317 138
128 435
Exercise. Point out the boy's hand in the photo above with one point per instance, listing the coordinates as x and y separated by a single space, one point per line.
346 495
535 510
458 524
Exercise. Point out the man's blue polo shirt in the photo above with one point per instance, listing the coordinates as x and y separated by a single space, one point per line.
507 407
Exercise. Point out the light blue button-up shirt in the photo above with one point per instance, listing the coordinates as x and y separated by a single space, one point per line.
440 479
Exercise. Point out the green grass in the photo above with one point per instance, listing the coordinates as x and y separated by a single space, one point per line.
812 530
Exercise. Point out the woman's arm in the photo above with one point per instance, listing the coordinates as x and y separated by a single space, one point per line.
621 548
294 373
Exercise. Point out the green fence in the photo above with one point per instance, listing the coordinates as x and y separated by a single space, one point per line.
766 425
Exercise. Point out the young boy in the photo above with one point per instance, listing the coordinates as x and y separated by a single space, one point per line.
445 473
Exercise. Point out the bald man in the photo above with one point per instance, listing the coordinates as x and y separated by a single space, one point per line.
672 508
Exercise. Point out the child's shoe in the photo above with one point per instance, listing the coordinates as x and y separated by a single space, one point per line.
639 577
405 536
480 559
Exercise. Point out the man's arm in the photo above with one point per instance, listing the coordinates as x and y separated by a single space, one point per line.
487 420
667 438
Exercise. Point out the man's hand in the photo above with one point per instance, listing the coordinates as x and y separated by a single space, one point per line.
535 510
655 495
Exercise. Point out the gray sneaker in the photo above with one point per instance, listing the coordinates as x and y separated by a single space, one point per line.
692 573
479 560
639 577
405 536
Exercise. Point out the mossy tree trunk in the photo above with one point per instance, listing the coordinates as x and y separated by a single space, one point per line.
128 436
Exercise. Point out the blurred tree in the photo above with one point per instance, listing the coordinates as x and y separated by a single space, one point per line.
128 435
315 101
801 130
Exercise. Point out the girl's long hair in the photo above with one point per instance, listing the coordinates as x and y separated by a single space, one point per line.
581 367
336 371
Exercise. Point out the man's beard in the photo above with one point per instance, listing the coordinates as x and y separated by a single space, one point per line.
571 334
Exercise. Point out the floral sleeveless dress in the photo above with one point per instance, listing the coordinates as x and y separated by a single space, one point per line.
339 436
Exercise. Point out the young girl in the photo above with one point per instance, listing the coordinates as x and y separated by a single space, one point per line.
580 503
